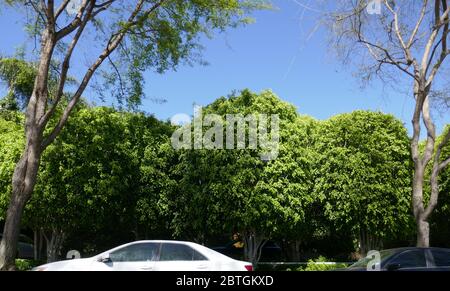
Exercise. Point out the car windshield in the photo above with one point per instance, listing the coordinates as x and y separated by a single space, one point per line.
362 263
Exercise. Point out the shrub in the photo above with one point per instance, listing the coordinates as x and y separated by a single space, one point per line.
321 264
26 265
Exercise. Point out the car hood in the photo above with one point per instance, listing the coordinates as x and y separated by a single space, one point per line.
69 265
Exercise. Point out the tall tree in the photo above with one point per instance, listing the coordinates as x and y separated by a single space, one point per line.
364 176
223 190
404 40
90 179
131 35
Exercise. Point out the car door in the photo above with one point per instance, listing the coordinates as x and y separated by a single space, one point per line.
181 257
409 260
135 257
441 259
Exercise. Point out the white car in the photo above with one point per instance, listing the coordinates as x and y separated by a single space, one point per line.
153 256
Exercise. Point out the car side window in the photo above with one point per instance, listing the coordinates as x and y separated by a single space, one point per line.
410 259
179 252
135 253
441 258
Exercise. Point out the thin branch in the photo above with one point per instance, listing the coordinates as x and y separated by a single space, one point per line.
76 22
111 46
65 67
391 61
439 22
444 143
38 10
406 49
61 8
416 28
444 164
437 168
119 75
431 131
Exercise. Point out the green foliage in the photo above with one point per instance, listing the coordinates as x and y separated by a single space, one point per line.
222 190
19 77
93 180
11 147
113 176
439 222
364 173
321 264
26 265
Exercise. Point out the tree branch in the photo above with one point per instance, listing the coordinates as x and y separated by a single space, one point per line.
392 61
419 22
437 168
444 164
431 131
61 8
112 44
441 147
50 12
405 48
439 22
444 50
76 22
65 67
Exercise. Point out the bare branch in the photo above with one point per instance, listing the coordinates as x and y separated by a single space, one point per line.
390 60
419 22
439 22
50 12
405 48
431 131
65 67
444 50
61 8
437 168
38 10
76 22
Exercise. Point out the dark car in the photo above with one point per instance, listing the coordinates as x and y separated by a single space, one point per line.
407 259
25 247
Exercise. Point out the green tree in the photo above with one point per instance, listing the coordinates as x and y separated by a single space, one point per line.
406 46
364 176
11 144
18 76
91 181
227 190
132 36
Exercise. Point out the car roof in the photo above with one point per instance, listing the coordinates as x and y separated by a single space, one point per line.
415 248
203 249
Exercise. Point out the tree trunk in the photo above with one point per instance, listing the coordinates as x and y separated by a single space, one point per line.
25 173
423 229
54 245
423 234
368 242
24 180
253 245
291 250
36 244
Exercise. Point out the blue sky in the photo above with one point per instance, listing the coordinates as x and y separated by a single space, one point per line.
274 53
